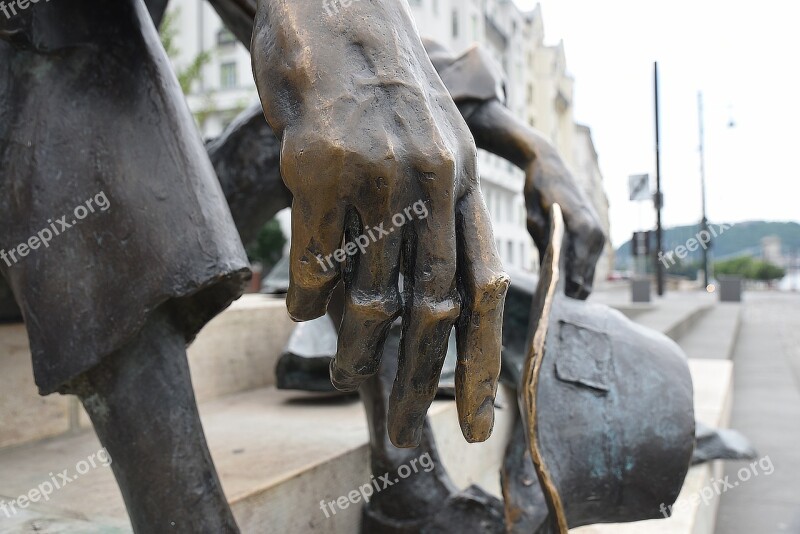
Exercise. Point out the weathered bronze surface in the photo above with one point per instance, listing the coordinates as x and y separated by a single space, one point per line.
365 130
88 103
90 106
618 395
622 399
127 134
365 134
414 153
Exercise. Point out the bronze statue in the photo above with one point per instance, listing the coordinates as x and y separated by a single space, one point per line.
361 141
598 363
88 104
366 129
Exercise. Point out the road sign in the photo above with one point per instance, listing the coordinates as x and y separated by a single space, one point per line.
639 186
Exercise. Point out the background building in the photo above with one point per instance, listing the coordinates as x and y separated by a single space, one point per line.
538 89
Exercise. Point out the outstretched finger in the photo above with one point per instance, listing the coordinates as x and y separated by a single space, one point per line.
314 258
483 286
586 242
371 303
318 219
432 306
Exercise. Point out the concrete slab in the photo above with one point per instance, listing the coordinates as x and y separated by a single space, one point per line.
278 459
767 409
676 313
237 351
275 473
714 335
273 470
24 415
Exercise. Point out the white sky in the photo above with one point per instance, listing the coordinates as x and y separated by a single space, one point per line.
742 55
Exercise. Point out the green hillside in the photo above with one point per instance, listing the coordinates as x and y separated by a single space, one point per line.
734 240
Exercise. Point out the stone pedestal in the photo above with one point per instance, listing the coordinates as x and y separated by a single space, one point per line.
730 289
640 290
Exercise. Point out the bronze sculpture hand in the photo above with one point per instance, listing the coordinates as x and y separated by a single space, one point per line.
547 182
368 130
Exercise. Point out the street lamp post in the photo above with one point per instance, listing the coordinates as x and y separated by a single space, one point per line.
704 220
659 199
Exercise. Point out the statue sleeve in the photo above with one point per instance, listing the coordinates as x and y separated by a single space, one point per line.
109 205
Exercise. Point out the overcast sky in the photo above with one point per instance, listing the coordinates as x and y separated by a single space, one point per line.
742 55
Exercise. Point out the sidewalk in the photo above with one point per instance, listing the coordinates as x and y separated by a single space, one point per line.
767 410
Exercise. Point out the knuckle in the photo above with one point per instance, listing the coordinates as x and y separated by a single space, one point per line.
469 150
433 313
374 309
441 161
590 229
490 292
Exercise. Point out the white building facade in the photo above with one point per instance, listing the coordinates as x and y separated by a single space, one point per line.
538 90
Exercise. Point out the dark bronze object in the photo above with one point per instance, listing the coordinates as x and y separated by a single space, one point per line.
618 395
89 109
89 106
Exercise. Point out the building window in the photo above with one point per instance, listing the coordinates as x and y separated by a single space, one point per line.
227 75
475 34
225 37
511 253
435 7
455 23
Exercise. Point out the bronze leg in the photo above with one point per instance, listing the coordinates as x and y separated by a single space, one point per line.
142 405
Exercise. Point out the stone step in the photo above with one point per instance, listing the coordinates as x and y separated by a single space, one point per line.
235 352
714 335
276 473
280 453
677 313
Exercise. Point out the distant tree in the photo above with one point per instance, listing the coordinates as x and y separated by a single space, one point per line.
750 268
734 267
168 31
268 246
767 272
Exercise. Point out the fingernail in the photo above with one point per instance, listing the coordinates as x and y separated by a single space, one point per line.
306 304
344 381
478 426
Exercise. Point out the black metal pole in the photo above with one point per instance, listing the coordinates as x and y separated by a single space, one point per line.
659 201
704 220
